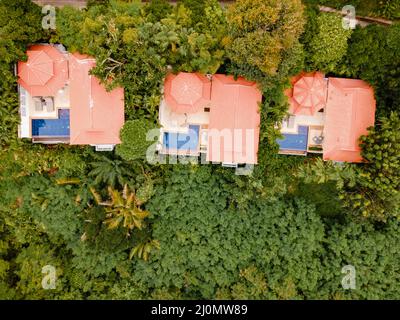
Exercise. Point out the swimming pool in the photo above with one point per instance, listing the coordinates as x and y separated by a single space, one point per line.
297 142
182 141
52 127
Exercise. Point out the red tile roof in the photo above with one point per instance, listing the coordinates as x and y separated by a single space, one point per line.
350 111
96 115
234 115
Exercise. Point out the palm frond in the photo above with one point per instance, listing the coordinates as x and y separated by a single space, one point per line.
96 195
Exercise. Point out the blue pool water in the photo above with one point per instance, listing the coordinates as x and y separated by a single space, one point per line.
52 127
182 141
296 142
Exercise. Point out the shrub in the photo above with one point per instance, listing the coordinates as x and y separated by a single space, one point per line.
133 140
329 44
157 10
380 179
389 9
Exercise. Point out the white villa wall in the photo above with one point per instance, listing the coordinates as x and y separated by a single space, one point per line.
301 120
24 129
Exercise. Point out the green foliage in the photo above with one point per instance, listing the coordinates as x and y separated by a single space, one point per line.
60 161
23 25
133 47
134 143
30 262
91 3
328 45
123 209
374 55
389 9
374 254
143 250
54 207
91 261
324 196
111 172
261 31
198 40
211 234
117 37
156 10
196 7
380 177
68 24
20 25
205 240
372 189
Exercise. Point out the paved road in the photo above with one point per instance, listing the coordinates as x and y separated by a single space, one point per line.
61 3
362 21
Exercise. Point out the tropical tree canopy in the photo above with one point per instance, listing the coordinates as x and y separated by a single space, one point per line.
262 31
114 225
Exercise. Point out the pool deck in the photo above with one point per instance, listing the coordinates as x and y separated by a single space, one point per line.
28 112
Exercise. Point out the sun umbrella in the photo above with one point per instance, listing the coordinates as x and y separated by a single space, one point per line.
38 70
309 94
187 92
45 72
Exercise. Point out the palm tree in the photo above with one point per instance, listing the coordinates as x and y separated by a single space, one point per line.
143 249
122 209
111 172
